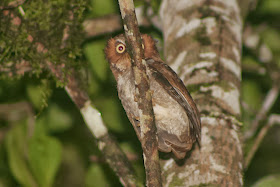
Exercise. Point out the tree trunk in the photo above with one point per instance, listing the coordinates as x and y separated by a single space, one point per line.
203 45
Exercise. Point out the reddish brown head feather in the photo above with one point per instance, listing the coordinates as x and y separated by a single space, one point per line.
150 50
110 51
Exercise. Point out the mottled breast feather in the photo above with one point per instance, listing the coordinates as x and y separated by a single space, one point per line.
176 115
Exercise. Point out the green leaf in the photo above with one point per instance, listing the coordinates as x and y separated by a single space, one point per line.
251 93
96 176
268 181
16 144
270 6
271 37
59 120
250 61
39 94
73 170
44 158
95 54
52 120
34 95
104 7
111 110
6 178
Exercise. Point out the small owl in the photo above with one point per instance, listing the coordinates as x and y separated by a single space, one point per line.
176 115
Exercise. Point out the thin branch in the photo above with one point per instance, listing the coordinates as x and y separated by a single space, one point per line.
247 6
148 137
112 23
254 68
15 68
273 119
12 4
267 104
247 107
252 40
92 117
16 111
102 25
131 157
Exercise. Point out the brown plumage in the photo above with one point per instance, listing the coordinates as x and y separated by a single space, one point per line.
176 115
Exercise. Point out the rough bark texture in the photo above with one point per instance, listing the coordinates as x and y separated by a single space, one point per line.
118 162
203 45
148 137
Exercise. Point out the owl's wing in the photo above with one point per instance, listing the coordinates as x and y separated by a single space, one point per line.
170 81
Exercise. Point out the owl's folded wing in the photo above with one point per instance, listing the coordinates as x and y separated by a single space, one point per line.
170 81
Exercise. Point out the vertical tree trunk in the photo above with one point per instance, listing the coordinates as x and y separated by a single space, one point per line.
203 45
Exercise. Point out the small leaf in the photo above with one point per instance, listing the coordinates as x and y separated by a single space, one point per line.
100 175
52 120
44 158
251 93
268 181
16 142
59 120
111 110
96 176
39 94
95 54
72 171
250 61
104 7
271 37
270 6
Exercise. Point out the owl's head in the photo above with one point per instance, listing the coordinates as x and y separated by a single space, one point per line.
117 55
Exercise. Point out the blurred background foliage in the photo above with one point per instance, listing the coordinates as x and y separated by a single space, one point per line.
57 149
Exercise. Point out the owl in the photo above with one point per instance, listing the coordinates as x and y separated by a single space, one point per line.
176 115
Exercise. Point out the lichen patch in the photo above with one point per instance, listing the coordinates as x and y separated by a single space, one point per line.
231 66
229 98
178 61
210 55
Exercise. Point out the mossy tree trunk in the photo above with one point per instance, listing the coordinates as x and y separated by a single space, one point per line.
203 45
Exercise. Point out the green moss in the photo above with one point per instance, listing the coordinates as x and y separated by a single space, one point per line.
201 36
205 11
176 181
43 23
225 85
195 87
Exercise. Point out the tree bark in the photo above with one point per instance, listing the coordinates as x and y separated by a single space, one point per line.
203 45
148 129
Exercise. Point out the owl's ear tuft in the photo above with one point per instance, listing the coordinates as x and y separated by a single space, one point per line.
150 50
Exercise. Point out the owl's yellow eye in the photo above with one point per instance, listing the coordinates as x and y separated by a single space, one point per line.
120 48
